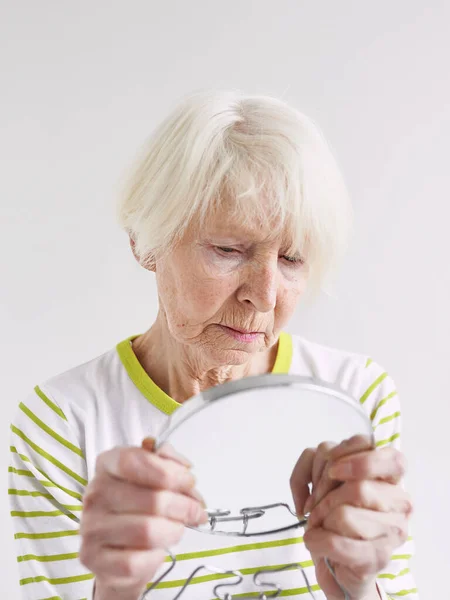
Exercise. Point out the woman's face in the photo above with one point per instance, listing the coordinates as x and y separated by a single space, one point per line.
229 289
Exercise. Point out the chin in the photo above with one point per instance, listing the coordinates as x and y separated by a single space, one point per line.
232 356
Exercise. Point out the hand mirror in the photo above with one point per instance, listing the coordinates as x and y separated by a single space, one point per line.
244 439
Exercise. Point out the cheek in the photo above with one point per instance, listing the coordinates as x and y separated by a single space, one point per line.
192 296
205 297
286 304
288 298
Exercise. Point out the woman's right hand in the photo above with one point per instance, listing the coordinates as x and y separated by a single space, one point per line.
136 506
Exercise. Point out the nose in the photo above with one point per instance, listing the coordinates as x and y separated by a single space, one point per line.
259 285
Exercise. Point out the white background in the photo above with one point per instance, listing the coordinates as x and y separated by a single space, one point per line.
83 83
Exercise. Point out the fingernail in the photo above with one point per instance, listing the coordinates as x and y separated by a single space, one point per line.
148 444
401 462
182 459
168 451
308 505
196 494
303 520
202 516
187 479
341 471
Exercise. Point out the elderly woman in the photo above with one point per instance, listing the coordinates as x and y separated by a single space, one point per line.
237 206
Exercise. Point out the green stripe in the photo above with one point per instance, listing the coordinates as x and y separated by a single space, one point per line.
46 536
22 456
22 472
41 513
48 456
51 483
374 385
25 473
233 549
388 441
369 362
14 492
380 404
57 581
401 557
49 403
217 576
49 558
389 418
392 576
48 482
406 592
50 431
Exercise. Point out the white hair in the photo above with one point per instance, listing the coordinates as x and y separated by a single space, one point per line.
250 151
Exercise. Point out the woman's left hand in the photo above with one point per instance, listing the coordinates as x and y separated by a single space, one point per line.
358 512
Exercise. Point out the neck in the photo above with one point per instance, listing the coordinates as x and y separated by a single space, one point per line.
182 371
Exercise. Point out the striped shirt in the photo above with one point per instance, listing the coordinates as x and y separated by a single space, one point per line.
60 429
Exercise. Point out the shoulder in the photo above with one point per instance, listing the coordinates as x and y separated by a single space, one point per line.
326 363
72 402
74 389
76 414
48 429
363 378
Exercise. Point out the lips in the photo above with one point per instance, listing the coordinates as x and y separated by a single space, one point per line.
242 335
243 331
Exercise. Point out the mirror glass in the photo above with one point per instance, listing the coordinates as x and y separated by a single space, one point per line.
244 439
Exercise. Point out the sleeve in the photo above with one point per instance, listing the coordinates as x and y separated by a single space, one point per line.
47 478
380 399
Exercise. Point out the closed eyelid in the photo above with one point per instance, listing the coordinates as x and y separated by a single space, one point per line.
228 249
293 258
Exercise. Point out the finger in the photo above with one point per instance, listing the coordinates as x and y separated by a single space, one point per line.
122 567
166 451
300 478
137 466
319 473
357 443
123 498
387 464
373 495
321 460
138 532
362 555
363 524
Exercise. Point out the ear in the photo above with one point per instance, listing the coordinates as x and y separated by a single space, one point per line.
149 263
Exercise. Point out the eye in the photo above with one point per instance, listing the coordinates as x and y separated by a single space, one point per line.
226 249
294 260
